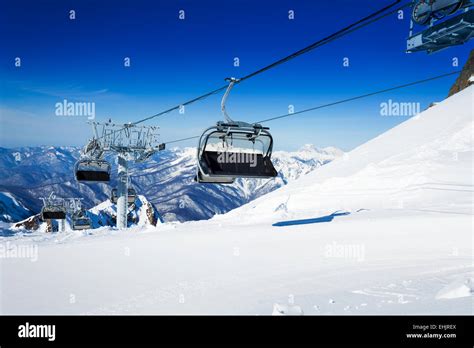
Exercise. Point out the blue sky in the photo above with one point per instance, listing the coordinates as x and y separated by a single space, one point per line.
175 60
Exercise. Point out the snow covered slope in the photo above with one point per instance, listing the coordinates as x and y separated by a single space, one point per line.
10 209
387 229
424 163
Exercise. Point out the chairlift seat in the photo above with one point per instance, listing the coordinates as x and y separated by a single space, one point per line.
132 195
234 149
52 213
238 150
93 171
82 223
260 167
453 31
202 179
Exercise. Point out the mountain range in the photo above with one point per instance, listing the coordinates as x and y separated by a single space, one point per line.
166 180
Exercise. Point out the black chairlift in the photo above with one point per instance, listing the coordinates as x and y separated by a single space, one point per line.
92 170
132 195
233 150
53 212
80 221
456 29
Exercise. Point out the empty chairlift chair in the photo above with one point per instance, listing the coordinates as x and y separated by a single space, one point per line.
80 221
92 170
443 23
229 151
53 212
233 150
132 195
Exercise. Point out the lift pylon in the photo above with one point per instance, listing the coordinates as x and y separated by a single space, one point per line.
130 143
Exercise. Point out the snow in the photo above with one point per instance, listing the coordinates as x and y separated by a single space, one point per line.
279 309
17 156
386 229
459 288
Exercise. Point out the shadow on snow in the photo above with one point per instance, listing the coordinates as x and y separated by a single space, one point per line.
327 218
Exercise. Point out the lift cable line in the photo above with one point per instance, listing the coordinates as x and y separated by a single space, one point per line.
360 97
342 101
340 33
347 30
239 137
93 168
183 139
211 169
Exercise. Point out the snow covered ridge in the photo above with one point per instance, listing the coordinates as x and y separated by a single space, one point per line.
141 214
166 180
10 209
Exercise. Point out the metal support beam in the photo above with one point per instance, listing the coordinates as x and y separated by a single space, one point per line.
131 143
122 192
62 225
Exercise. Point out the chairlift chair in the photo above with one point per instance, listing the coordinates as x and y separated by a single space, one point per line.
80 221
53 212
231 150
92 170
132 195
436 35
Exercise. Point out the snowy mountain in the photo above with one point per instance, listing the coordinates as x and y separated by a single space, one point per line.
169 184
385 229
140 213
166 180
10 209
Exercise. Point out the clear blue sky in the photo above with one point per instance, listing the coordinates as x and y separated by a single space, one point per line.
174 60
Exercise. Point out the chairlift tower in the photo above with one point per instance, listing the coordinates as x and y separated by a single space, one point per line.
130 143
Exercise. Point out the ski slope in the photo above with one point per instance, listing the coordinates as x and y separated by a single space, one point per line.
387 229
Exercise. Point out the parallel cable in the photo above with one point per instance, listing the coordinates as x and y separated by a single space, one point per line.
342 101
359 97
183 139
340 33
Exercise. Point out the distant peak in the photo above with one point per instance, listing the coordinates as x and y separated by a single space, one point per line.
309 147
